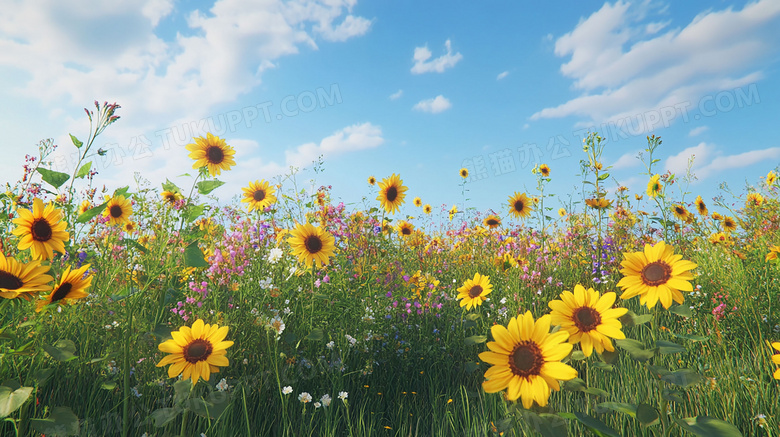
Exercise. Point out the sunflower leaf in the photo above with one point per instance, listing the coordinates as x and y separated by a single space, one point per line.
475 339
76 141
171 187
90 213
682 310
636 349
193 256
205 187
11 400
53 178
193 212
315 335
61 422
603 176
610 357
163 416
672 395
691 337
647 415
121 191
133 243
683 378
629 409
595 425
549 425
181 391
84 170
43 375
668 347
63 350
603 366
632 319
576 384
708 427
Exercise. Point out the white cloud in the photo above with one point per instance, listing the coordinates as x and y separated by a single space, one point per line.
438 65
434 106
709 161
622 69
351 27
351 138
502 75
627 160
396 95
698 130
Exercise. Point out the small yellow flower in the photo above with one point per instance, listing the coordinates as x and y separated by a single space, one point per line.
464 173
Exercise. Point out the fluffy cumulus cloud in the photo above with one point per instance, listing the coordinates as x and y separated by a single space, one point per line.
434 106
424 64
709 161
622 65
350 139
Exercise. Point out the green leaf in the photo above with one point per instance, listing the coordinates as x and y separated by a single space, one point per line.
205 187
593 391
610 357
315 335
63 350
43 375
473 316
576 384
673 395
121 191
108 385
471 366
76 141
84 170
647 415
171 187
595 425
691 337
475 339
549 425
667 347
598 365
162 332
629 409
163 416
193 212
578 355
12 400
704 426
133 243
632 319
53 178
603 176
683 378
193 256
61 422
181 391
636 349
658 371
90 213
682 310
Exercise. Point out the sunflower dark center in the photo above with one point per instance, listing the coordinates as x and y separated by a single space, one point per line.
259 195
702 207
313 244
215 155
61 292
41 230
392 194
656 273
406 230
492 222
519 205
679 210
115 211
526 359
586 318
9 281
475 291
170 198
198 350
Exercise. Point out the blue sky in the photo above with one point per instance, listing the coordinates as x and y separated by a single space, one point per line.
415 88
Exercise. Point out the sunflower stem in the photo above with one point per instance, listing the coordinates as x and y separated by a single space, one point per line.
186 414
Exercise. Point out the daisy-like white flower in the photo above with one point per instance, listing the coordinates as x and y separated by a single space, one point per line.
304 397
286 390
343 395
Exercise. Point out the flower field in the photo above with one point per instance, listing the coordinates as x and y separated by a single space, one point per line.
149 311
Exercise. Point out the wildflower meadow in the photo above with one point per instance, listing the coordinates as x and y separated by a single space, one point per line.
151 311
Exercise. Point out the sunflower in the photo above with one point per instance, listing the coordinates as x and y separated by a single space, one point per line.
562 212
464 173
417 202
474 291
520 205
171 197
754 200
427 208
729 224
598 203
492 221
72 286
526 360
259 195
196 352
771 177
22 280
211 152
453 211
84 206
588 318
312 244
716 216
118 210
718 238
680 212
701 207
405 228
654 187
371 180
130 226
42 230
544 170
776 359
392 193
773 252
656 274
